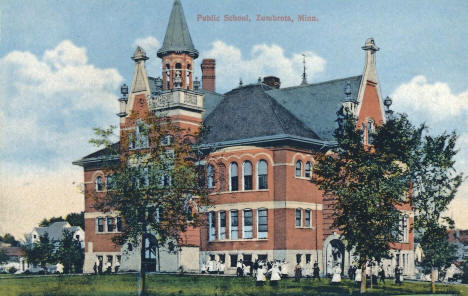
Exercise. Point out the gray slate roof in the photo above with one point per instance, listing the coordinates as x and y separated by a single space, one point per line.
316 104
177 37
210 101
249 112
55 230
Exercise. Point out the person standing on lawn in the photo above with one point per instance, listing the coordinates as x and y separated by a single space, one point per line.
358 276
95 267
382 274
308 270
260 275
284 269
297 272
240 271
397 275
116 266
222 267
336 279
316 271
275 275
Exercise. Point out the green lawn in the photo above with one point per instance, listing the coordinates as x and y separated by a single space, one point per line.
197 285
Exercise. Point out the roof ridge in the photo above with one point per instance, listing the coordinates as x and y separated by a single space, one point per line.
318 83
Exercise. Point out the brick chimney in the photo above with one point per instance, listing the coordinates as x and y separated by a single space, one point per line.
208 74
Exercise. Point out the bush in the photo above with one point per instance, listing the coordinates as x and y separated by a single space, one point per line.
12 269
465 273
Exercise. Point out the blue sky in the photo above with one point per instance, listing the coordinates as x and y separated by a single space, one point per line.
61 64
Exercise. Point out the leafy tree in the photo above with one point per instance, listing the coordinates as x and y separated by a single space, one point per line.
3 257
69 252
10 239
368 183
76 219
156 184
40 252
435 183
46 222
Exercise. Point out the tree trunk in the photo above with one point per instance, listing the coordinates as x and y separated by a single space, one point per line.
142 274
363 278
433 289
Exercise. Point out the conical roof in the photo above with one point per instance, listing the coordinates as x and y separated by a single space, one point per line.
177 37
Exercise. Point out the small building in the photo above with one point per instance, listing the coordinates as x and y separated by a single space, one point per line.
16 258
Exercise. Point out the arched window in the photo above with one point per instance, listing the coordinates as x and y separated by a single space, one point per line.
234 182
307 169
98 183
363 127
210 176
247 173
109 182
222 177
262 181
298 168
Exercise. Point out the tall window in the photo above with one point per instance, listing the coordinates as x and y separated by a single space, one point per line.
98 183
119 224
222 225
234 224
370 130
307 218
247 172
262 223
234 184
298 168
403 228
298 217
212 225
363 136
109 181
100 224
262 181
110 224
307 169
222 177
210 175
247 225
141 136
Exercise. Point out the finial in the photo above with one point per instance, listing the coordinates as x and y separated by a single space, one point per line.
304 75
240 82
347 91
388 102
259 80
139 54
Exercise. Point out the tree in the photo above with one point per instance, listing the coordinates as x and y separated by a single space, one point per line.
40 252
368 183
69 252
10 239
76 219
156 185
3 257
435 183
46 222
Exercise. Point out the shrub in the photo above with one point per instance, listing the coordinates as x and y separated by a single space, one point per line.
12 269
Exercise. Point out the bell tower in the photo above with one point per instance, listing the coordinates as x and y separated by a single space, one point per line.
177 52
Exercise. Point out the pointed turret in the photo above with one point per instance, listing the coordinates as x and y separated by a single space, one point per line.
177 39
177 52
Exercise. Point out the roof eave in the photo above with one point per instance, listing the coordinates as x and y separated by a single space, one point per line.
269 139
82 162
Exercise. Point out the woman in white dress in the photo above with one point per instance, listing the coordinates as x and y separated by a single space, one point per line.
275 275
260 276
336 274
358 276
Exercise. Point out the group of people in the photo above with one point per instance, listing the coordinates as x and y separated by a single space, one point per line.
213 267
100 268
377 273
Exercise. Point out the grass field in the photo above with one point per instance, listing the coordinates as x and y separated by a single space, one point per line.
125 284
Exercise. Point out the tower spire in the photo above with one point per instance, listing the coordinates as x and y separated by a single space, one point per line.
304 75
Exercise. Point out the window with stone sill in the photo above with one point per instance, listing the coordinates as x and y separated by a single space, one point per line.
298 168
98 185
262 180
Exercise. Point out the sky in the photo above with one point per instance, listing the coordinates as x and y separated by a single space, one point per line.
62 64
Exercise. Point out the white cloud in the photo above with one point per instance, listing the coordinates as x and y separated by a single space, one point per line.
434 101
264 60
442 110
150 44
50 104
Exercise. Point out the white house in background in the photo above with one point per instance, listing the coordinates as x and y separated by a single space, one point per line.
16 258
55 231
